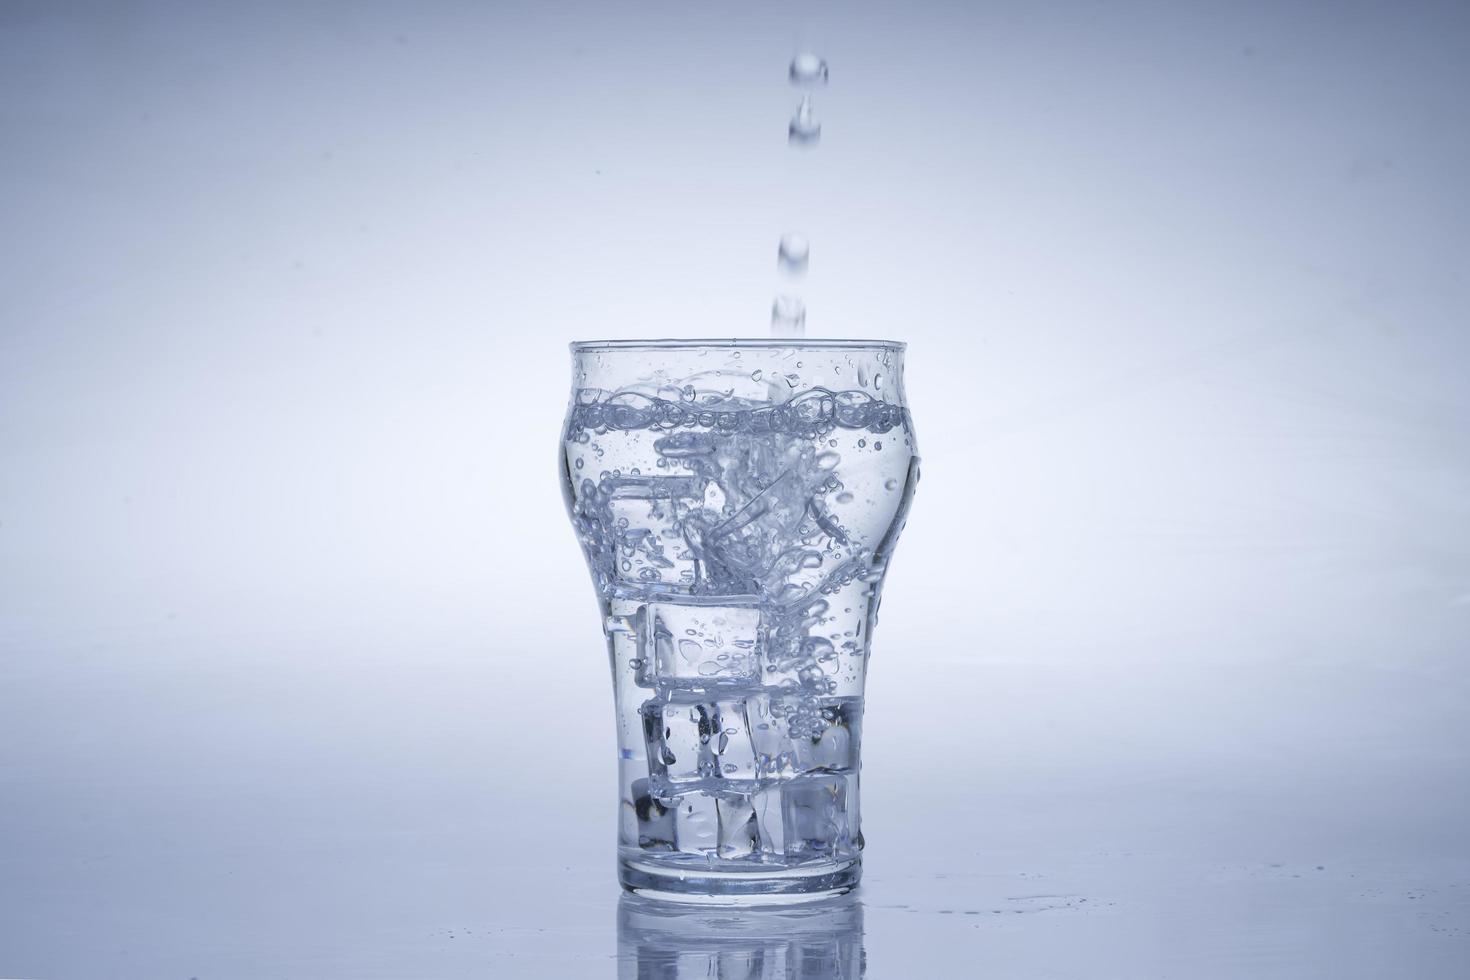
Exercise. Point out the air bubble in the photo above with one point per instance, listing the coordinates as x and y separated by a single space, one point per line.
808 70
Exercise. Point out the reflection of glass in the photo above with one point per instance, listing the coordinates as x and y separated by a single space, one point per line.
738 503
817 940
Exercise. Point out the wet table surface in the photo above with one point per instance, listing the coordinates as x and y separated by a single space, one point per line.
280 809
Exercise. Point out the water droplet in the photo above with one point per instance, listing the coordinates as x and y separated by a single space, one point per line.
788 316
862 443
862 377
844 497
804 129
878 444
793 252
579 463
808 70
877 380
755 375
890 484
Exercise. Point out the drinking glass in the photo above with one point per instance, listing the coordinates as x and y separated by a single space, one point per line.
738 502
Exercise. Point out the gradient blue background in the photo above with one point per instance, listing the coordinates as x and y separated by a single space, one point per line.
299 667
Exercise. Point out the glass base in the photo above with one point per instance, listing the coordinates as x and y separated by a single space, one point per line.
698 885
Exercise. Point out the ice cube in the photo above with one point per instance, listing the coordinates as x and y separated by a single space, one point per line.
740 834
770 821
796 734
700 644
831 744
644 516
678 445
749 542
820 817
705 743
696 823
654 821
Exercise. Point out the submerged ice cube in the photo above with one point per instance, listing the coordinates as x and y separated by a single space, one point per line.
654 821
702 644
796 734
696 823
770 821
698 744
644 516
747 544
740 835
783 545
820 818
831 742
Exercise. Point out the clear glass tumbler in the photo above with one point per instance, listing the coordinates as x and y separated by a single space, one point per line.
738 503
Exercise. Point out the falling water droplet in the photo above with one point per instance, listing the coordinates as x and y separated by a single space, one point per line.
804 129
788 316
792 255
808 70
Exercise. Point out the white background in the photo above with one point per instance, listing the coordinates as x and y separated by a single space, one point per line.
292 623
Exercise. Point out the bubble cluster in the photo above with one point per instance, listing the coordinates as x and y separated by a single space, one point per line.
813 412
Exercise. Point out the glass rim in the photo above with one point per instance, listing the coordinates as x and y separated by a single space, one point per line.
758 343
